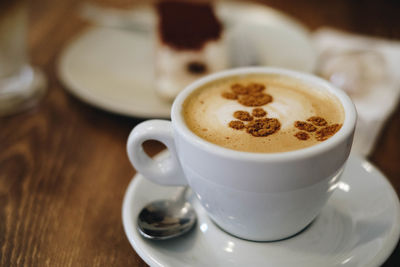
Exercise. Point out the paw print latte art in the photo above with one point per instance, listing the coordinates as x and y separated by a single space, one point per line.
256 127
263 113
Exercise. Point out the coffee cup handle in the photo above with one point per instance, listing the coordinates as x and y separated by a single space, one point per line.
165 171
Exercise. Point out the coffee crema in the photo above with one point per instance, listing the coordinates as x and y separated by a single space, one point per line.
263 113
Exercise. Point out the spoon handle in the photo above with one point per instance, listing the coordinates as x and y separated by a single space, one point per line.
181 196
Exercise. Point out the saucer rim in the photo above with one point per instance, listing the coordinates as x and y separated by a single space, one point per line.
383 254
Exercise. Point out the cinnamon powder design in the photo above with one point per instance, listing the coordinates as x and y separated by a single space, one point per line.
326 132
302 125
321 134
251 95
302 135
236 125
263 127
259 127
258 112
318 121
229 95
242 115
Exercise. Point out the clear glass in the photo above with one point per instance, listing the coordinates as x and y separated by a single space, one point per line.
21 85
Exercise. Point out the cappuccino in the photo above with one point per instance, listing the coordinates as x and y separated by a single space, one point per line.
263 113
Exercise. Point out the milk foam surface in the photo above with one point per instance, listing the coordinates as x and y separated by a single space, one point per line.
208 114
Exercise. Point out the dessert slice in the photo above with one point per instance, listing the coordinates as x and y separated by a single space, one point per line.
189 43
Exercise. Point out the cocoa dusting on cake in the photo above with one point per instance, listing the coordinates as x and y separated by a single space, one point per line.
305 126
318 121
242 115
302 136
258 112
187 25
196 67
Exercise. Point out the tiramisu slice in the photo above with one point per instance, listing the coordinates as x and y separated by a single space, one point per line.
189 44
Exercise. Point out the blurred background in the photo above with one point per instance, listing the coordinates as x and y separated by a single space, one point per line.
89 70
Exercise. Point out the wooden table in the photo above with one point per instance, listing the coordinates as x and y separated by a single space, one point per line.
63 166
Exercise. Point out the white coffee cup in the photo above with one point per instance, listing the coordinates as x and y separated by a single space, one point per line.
255 196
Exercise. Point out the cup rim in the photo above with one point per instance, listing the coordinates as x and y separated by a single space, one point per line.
345 131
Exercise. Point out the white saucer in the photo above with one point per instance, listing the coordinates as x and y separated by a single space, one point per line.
359 226
113 68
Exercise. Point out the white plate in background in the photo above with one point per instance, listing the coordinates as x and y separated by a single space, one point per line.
112 68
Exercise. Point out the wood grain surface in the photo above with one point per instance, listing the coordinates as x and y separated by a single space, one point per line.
63 166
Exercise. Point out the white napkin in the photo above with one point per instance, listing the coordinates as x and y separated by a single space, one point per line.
368 69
